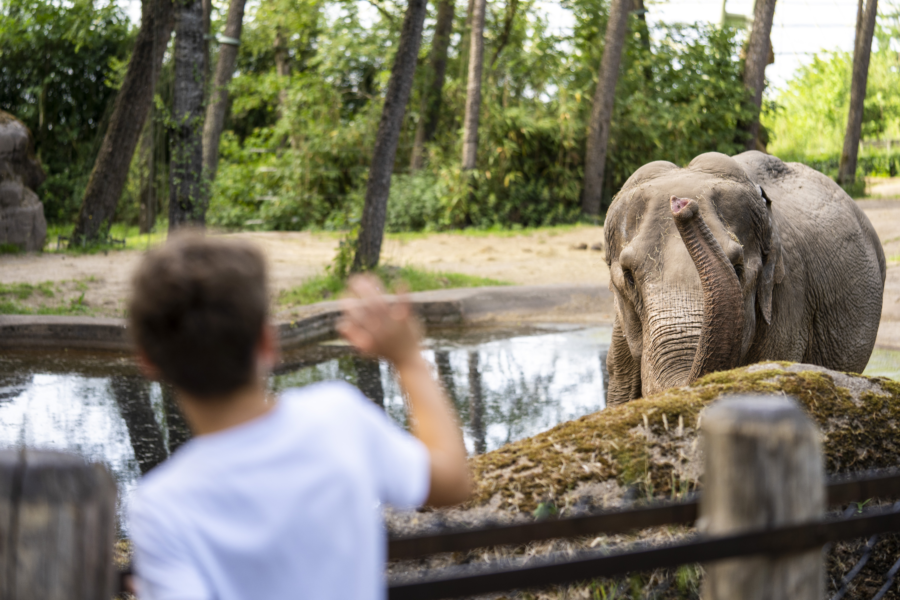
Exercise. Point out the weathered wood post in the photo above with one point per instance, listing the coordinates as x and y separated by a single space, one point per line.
764 469
57 527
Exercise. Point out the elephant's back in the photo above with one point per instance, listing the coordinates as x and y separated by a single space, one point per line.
816 209
829 244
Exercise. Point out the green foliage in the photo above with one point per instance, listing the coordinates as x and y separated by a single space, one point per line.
299 148
329 286
808 119
58 63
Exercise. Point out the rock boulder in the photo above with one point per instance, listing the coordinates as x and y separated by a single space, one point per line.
22 220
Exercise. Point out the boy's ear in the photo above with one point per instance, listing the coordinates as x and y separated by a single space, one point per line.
149 370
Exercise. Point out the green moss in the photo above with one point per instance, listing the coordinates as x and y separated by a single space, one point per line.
647 443
329 286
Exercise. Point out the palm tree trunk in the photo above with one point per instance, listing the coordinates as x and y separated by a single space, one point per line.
371 231
129 113
187 204
431 102
473 89
861 53
602 108
218 100
756 62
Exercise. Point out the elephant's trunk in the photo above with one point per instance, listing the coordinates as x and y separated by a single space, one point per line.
719 346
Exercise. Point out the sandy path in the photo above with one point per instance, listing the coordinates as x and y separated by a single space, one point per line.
533 258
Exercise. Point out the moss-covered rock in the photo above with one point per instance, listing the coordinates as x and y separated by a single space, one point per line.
649 448
651 444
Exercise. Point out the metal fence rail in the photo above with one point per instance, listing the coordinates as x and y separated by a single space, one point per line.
463 581
840 491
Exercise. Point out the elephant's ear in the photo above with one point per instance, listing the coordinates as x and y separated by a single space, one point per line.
773 264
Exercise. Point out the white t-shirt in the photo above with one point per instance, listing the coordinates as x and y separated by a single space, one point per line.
284 506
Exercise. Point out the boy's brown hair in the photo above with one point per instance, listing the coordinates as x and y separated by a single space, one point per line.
198 308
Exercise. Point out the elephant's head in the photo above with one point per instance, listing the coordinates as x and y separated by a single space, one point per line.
693 256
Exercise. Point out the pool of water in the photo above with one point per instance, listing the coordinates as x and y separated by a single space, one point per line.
505 384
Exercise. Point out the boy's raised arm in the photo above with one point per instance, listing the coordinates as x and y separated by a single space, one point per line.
379 327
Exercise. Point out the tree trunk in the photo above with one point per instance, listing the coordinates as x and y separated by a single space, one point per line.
218 98
207 20
431 102
129 113
147 160
602 108
371 231
186 198
861 54
465 41
473 89
282 67
756 61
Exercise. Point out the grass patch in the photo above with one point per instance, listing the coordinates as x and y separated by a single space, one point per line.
10 249
328 287
24 291
46 298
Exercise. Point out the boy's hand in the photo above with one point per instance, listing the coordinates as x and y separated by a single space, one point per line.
378 325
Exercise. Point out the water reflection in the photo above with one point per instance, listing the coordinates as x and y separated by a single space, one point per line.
505 385
132 396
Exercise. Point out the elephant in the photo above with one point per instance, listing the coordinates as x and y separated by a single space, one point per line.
734 260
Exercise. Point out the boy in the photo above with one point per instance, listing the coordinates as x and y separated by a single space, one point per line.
275 499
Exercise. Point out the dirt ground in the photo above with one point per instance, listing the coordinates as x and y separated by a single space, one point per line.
546 256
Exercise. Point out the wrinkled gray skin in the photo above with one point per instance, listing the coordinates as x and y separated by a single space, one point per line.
735 260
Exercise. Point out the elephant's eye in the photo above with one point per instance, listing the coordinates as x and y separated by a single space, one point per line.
629 277
739 271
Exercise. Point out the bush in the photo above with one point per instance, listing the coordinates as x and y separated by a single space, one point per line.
58 64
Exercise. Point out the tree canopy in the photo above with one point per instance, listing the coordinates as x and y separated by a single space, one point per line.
59 69
309 86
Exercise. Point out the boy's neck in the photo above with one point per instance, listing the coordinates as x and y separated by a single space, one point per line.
210 415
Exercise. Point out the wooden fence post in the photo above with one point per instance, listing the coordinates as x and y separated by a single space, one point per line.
764 468
57 527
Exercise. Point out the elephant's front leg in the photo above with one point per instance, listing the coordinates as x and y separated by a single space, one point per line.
624 370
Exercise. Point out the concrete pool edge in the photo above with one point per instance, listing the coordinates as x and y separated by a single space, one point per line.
573 303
